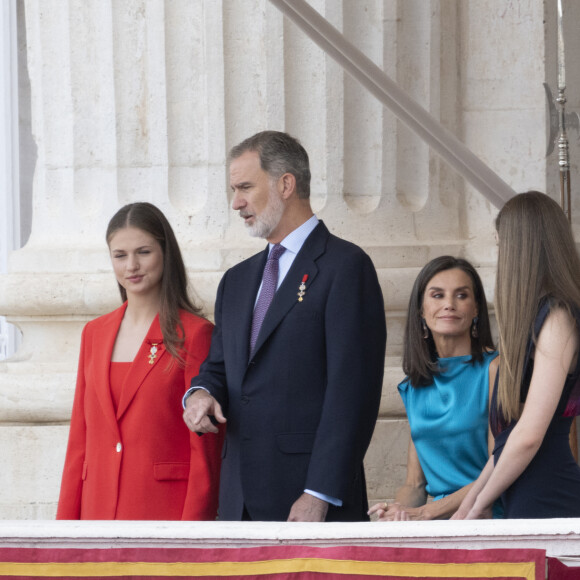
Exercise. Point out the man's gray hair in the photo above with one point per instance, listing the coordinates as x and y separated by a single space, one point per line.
279 153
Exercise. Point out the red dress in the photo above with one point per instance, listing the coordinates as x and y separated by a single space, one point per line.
138 461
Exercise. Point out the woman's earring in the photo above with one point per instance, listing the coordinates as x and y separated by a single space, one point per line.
425 328
474 332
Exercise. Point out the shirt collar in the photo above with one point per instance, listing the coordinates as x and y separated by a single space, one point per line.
294 241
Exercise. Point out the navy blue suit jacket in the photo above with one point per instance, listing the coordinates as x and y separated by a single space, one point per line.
301 411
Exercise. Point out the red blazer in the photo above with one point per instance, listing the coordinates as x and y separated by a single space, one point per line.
142 462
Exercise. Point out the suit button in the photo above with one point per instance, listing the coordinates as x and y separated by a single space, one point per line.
245 400
119 447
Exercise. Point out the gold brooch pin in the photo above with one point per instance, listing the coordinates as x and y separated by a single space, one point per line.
302 288
153 353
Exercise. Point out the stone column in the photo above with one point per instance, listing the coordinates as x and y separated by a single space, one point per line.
502 63
9 214
127 104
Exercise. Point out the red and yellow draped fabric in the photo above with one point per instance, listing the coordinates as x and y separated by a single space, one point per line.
272 562
560 571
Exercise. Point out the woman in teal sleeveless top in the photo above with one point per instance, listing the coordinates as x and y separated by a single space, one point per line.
449 423
450 363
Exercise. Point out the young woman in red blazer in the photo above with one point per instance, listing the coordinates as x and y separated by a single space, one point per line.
130 456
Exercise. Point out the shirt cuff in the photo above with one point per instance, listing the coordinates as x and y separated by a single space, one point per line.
190 392
324 497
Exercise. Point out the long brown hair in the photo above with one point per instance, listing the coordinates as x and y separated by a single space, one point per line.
537 257
174 285
420 354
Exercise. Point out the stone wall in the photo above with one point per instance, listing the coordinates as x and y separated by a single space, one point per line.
138 100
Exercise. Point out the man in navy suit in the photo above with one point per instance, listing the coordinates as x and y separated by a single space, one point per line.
301 396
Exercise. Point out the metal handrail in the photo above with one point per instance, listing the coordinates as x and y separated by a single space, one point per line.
360 67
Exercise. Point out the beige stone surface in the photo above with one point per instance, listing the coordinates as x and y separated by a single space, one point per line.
386 459
32 456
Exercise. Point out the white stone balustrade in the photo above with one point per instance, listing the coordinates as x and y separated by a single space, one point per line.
559 537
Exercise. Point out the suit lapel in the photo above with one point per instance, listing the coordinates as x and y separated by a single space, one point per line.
287 295
150 355
102 353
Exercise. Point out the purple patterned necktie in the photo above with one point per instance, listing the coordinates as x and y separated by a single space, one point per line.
269 285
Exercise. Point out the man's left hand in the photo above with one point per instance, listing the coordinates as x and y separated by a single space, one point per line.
308 508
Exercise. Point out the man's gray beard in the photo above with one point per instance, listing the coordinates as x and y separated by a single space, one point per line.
269 219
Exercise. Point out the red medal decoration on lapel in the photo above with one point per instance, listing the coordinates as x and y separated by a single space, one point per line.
152 353
153 350
302 288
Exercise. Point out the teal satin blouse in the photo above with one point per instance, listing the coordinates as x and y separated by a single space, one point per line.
449 423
